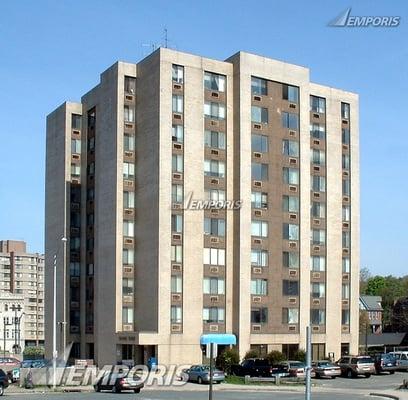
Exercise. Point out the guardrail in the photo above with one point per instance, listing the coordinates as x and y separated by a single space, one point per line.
276 379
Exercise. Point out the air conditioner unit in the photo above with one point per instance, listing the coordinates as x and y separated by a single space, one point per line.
214 123
176 267
257 126
127 327
176 297
257 241
293 188
316 275
293 245
176 86
257 270
214 270
176 236
214 152
293 273
177 116
215 95
292 161
291 327
176 328
129 98
258 213
256 299
214 240
257 98
315 328
316 302
177 146
292 133
213 328
177 176
292 105
257 155
292 300
214 299
256 328
215 181
258 183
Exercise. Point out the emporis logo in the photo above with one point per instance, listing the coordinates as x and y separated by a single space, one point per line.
345 20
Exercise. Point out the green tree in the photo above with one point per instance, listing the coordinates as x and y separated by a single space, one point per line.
300 355
375 285
275 357
251 354
228 358
33 352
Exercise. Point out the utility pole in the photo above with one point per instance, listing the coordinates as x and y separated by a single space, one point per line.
210 392
308 363
54 326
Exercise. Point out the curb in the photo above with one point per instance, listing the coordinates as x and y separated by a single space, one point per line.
385 395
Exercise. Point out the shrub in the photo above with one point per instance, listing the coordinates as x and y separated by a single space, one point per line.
228 358
33 352
251 354
275 357
300 355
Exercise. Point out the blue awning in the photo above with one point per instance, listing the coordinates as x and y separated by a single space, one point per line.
220 338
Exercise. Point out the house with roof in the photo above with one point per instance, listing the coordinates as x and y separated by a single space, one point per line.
372 306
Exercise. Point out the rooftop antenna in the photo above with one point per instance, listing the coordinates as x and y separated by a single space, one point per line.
152 46
166 39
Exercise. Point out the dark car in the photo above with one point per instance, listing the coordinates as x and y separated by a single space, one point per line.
385 363
4 381
117 383
253 367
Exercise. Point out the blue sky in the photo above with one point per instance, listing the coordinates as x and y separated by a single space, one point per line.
52 51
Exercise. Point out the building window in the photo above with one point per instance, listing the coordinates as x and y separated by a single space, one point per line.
128 114
128 256
318 263
346 187
290 259
213 315
317 131
128 142
290 93
290 176
176 315
176 284
318 236
290 288
130 85
177 133
76 146
317 317
259 143
214 82
177 73
290 148
128 228
345 111
259 115
317 156
346 239
128 170
127 286
259 315
317 290
91 143
346 213
214 168
259 86
177 193
214 110
177 103
177 163
318 209
318 183
259 172
290 231
318 104
259 200
128 199
215 194
214 226
346 265
214 139
290 120
75 170
76 121
213 286
74 269
291 203
259 228
177 253
259 258
127 315
345 161
177 223
345 136
213 256
259 287
290 316
345 291
345 317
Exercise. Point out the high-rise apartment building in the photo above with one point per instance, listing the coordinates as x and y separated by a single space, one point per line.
148 271
21 295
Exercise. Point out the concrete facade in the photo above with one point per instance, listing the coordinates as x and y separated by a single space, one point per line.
140 280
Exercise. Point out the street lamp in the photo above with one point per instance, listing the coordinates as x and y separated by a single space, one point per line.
5 324
54 322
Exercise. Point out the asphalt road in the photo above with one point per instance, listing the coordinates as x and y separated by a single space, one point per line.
187 395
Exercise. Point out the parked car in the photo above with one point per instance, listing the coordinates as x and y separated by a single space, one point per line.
385 363
352 366
326 368
34 363
402 359
253 367
4 382
201 374
297 369
118 383
9 363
